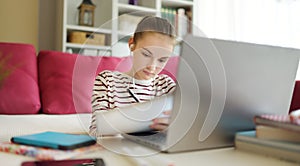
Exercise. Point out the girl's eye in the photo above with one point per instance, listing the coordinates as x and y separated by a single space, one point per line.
146 54
162 60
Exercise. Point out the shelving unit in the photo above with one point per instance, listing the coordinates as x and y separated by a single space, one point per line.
108 21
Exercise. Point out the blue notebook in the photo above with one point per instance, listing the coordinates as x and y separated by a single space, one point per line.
55 140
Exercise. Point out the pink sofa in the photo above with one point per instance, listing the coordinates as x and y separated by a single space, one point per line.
51 90
54 82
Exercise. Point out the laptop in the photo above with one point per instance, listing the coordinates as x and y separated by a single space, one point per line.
221 86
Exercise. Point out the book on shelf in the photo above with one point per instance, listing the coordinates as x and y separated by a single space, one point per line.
281 121
46 153
180 18
247 141
277 133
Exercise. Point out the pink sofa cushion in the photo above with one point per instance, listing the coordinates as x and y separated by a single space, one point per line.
19 92
55 81
66 80
87 70
171 67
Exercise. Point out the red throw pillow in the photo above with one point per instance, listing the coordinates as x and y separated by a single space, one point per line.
19 92
66 80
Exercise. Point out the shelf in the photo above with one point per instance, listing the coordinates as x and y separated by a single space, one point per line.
135 10
112 21
82 46
177 3
88 29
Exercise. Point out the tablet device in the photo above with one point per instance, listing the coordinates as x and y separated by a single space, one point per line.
55 140
133 118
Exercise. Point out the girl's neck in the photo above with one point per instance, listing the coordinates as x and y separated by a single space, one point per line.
130 73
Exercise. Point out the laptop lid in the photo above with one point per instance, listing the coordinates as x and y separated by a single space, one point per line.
222 85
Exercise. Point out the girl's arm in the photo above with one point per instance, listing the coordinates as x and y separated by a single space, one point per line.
162 123
99 100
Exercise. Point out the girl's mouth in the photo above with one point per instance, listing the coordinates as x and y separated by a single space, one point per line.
148 73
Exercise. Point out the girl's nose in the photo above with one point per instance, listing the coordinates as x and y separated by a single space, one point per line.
152 65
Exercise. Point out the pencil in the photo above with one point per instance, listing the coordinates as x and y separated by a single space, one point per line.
133 95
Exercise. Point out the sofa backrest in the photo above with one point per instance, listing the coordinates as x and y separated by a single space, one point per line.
61 83
66 80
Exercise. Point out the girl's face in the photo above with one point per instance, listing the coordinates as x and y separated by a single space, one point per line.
150 55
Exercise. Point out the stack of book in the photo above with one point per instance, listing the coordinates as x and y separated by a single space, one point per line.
275 135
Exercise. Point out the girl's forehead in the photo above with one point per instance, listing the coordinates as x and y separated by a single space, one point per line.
156 50
156 41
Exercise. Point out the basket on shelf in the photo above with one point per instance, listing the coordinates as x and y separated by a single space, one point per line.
81 37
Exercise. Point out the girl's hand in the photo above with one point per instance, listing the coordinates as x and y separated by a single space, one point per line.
295 116
161 123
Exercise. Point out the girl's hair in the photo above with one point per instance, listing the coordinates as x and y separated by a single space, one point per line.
154 24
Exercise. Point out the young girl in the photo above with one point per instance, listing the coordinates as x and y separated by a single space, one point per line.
151 46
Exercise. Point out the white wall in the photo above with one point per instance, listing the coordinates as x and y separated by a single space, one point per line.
47 24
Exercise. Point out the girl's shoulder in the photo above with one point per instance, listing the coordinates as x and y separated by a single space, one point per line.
109 73
164 80
163 77
112 74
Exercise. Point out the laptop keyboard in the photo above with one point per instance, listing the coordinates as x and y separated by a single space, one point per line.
159 138
153 138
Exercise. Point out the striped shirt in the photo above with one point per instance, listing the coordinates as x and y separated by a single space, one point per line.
111 91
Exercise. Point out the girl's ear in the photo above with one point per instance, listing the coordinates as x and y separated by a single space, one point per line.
131 44
131 47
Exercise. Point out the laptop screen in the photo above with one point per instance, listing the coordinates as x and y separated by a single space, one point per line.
223 84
